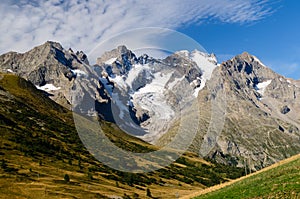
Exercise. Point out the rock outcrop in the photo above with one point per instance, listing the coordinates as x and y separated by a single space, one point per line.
261 124
62 74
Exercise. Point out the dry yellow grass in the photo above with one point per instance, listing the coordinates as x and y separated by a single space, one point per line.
39 145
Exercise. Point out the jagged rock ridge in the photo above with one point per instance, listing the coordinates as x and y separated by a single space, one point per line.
56 71
261 120
261 114
151 91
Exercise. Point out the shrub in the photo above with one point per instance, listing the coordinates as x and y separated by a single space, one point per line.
67 178
90 176
3 164
148 192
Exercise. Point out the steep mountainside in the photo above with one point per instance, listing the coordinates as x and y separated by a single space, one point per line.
150 93
147 92
259 108
248 114
56 71
39 146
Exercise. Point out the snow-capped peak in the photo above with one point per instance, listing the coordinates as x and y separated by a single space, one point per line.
257 60
151 91
111 60
205 62
184 53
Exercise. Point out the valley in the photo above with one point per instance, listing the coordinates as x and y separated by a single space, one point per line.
227 119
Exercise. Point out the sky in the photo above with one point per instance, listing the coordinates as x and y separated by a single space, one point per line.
268 29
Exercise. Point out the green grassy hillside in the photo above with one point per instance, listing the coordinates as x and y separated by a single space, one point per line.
281 180
40 150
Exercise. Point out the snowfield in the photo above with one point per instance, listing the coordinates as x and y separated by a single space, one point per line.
48 87
148 89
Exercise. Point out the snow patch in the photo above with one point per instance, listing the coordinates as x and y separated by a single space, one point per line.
175 82
10 71
207 64
134 72
157 84
79 72
196 91
257 60
261 87
152 97
119 80
125 81
111 61
48 87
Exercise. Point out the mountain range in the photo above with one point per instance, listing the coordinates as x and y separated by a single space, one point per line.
42 155
247 112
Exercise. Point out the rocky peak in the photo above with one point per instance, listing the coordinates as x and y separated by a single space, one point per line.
110 56
51 44
117 61
247 71
120 60
82 57
146 59
122 49
246 56
50 67
184 64
262 113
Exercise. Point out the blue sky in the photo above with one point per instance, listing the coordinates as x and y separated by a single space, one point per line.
275 39
269 29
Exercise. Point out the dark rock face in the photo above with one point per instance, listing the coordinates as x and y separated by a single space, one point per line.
285 109
246 71
122 61
43 63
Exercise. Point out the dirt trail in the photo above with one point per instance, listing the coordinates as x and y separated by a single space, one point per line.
216 187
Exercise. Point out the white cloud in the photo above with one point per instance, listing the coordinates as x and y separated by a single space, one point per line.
82 24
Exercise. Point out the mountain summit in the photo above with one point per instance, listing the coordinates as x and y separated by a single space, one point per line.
55 70
149 92
261 121
146 96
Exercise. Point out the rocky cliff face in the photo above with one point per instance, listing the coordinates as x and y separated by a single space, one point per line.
249 115
261 124
147 93
62 74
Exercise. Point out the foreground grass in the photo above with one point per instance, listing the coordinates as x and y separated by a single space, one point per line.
282 181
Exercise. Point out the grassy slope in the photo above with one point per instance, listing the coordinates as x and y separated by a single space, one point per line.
281 180
39 145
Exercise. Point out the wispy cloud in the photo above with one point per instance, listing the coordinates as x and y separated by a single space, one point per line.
83 23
